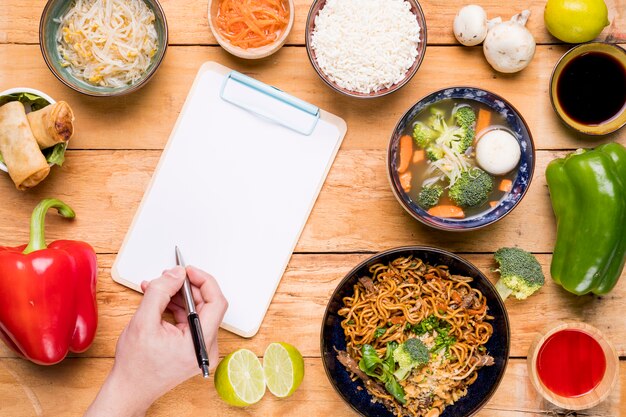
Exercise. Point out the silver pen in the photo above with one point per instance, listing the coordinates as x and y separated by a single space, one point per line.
194 321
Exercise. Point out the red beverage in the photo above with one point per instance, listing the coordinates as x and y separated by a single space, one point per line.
571 363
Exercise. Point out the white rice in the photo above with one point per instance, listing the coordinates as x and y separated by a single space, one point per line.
365 45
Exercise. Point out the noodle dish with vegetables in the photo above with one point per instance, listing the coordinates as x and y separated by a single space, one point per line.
415 335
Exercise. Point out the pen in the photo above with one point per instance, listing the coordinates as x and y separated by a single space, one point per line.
194 321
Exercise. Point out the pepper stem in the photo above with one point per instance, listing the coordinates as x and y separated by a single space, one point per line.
37 222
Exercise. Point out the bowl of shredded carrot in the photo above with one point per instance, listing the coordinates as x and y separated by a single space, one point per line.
251 29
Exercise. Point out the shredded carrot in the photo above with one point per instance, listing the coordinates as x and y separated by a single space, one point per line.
483 120
447 211
406 151
492 204
418 156
405 181
252 23
506 185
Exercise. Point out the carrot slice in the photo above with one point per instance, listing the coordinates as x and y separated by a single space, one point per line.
405 181
252 23
492 204
506 185
447 211
406 151
418 156
483 120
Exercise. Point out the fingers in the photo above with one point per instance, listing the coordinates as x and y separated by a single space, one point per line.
209 288
157 295
180 315
215 304
195 292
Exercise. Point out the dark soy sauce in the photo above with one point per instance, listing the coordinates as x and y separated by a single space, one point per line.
592 88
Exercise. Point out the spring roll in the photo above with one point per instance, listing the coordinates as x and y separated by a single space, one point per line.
26 164
53 124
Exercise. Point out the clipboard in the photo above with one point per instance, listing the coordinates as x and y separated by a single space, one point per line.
233 189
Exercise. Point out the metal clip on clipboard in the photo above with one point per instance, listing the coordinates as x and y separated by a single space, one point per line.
270 103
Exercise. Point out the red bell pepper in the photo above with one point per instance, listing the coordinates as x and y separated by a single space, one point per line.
47 294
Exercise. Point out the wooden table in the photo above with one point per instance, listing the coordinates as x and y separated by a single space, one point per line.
118 144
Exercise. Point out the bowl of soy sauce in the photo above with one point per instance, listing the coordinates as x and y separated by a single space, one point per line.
588 88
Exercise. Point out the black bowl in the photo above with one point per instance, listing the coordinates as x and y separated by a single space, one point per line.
489 377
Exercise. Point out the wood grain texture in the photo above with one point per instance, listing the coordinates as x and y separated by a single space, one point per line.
66 390
144 120
296 312
119 142
356 210
188 22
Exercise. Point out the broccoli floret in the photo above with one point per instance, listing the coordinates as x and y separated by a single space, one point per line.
459 134
437 121
423 135
472 188
429 196
411 354
520 273
463 139
434 152
465 117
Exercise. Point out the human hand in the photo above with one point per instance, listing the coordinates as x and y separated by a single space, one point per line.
153 355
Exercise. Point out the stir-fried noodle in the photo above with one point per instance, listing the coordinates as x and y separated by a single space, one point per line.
410 299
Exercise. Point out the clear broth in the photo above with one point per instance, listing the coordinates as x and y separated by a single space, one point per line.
419 169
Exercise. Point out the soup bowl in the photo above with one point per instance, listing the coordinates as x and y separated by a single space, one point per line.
515 124
333 338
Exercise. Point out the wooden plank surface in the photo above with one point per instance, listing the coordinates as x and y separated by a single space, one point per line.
144 120
119 142
188 22
296 312
76 382
356 210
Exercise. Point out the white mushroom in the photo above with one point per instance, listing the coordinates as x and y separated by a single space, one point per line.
470 25
498 152
509 46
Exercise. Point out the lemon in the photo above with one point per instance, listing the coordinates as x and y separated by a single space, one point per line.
575 21
284 369
239 378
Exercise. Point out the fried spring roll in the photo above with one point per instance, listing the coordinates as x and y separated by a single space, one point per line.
26 164
53 124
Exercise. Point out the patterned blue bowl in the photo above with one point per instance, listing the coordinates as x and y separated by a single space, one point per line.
520 184
333 337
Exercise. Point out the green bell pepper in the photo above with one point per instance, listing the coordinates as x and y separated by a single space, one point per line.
588 193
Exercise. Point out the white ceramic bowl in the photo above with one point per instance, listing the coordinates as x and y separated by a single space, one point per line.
252 53
25 90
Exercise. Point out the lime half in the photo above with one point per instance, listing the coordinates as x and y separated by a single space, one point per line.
239 378
284 369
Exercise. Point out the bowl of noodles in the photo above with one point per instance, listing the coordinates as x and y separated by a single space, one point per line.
415 331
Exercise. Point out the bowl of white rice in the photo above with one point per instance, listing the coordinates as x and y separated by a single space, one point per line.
366 48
